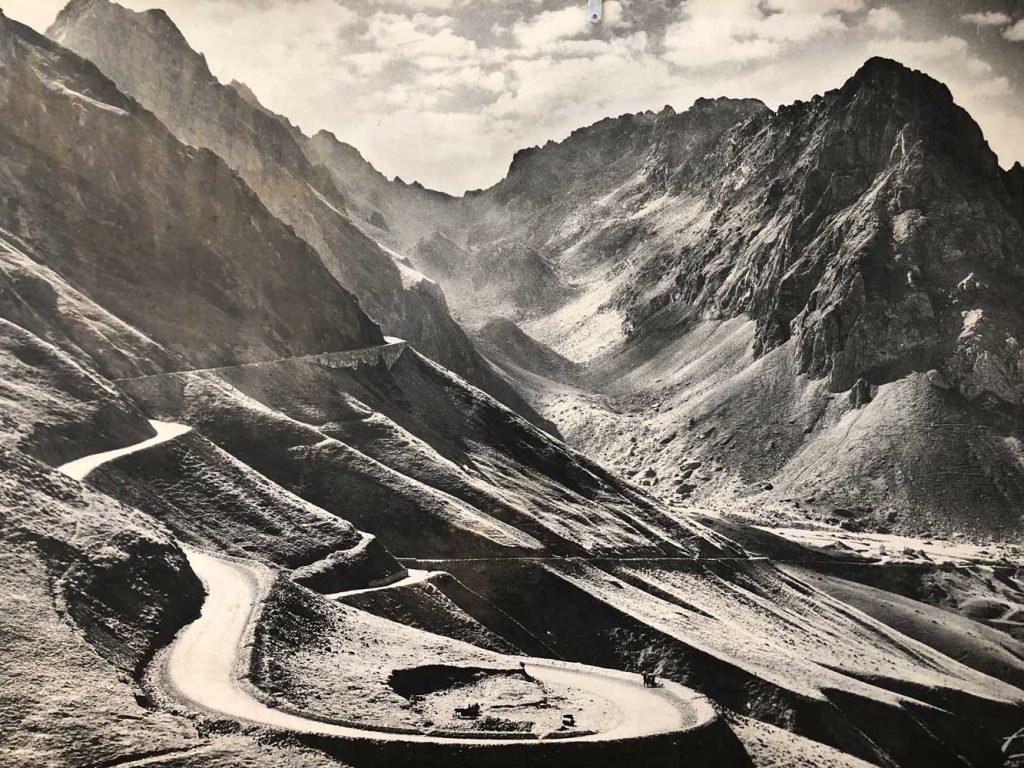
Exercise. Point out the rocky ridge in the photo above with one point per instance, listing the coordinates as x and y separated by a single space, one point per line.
870 236
149 58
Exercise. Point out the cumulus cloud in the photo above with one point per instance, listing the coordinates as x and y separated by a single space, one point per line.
549 28
884 20
986 19
419 5
721 31
421 35
1015 33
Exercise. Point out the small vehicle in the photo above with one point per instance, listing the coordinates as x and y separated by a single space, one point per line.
471 712
650 681
569 721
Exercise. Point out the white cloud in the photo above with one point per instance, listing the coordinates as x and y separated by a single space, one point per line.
421 35
721 31
978 67
994 86
921 53
986 19
885 20
549 26
419 5
815 6
1015 33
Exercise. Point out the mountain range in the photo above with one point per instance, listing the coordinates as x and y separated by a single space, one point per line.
673 337
823 301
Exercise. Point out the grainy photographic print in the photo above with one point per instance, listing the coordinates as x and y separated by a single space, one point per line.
511 383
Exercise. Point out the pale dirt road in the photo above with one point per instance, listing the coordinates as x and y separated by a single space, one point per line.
80 468
413 576
206 661
204 664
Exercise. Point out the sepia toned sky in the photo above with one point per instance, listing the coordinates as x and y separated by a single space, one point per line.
444 91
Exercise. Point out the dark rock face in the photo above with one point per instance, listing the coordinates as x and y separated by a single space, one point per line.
183 252
118 575
148 58
860 393
56 410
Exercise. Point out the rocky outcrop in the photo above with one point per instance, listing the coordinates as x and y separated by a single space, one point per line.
115 573
184 253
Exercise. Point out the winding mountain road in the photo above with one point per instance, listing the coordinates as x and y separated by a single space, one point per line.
412 576
80 468
208 658
207 661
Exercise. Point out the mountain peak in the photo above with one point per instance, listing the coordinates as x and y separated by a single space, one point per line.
246 93
155 19
897 79
77 9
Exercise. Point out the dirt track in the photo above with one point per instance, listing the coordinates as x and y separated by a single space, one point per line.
204 663
79 469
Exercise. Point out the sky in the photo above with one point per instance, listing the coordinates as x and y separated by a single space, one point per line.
445 91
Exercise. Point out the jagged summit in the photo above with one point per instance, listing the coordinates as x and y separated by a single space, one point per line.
75 10
666 121
898 87
868 235
881 69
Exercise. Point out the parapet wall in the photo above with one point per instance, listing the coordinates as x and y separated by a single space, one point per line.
385 355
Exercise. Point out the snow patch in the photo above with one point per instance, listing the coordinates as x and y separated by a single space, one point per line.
59 87
971 318
325 201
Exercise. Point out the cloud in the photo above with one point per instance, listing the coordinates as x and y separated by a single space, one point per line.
723 31
815 6
939 49
884 20
421 35
986 19
1015 34
994 86
419 5
550 27
978 67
